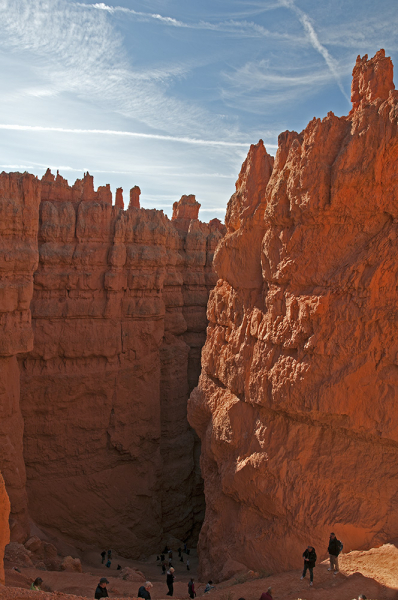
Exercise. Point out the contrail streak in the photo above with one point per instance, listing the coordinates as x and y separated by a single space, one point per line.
149 136
316 44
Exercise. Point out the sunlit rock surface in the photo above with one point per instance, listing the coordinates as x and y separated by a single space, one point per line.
297 403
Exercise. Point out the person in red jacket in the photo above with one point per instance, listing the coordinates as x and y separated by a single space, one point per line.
266 595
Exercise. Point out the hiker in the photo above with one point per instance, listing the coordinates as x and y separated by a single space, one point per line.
119 568
182 559
143 592
334 549
188 564
185 548
163 567
36 585
209 586
179 552
266 595
191 589
309 556
103 554
108 563
101 591
170 581
170 554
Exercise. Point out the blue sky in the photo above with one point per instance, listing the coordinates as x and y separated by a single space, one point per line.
169 94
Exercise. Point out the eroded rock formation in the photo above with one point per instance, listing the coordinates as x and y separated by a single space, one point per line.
95 411
119 317
297 404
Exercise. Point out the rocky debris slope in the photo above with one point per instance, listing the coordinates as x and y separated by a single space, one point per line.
96 409
297 401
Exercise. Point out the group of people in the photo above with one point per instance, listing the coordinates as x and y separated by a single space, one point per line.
335 547
169 553
309 555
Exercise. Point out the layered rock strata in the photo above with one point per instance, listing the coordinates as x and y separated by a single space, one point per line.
297 401
119 315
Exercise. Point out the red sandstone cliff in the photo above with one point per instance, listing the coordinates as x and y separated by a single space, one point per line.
297 401
19 220
119 317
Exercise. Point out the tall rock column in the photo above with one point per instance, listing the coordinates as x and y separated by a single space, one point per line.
297 400
19 219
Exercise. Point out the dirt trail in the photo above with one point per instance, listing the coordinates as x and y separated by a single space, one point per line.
373 573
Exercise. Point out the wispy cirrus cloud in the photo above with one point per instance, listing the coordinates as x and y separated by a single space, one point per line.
259 86
78 53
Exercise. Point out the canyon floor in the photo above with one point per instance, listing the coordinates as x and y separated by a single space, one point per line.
373 573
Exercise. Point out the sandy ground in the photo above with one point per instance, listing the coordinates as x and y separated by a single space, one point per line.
373 573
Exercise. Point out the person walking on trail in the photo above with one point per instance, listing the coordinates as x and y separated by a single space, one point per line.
103 554
188 568
334 550
144 591
309 556
191 589
101 591
36 585
170 581
266 595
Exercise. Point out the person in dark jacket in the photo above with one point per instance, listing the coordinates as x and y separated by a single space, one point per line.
103 554
170 581
101 591
143 592
191 589
334 550
309 556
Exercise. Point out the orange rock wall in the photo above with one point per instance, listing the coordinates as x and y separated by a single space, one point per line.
297 403
19 220
119 317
